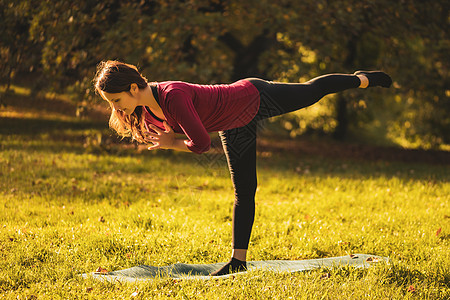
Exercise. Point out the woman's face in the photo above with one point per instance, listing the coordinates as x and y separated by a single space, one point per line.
123 101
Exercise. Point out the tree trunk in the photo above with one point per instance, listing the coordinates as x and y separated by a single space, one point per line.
246 57
342 118
341 130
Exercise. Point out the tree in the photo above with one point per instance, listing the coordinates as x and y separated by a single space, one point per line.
17 52
212 41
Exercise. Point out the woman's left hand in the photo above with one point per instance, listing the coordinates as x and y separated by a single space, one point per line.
159 138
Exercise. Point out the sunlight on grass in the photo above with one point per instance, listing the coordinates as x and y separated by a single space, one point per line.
25 91
33 115
18 90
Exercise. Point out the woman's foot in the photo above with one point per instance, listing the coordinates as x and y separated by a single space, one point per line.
376 78
233 266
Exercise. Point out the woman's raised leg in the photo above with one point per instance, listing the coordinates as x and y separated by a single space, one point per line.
279 98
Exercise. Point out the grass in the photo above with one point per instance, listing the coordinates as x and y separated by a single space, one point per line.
70 204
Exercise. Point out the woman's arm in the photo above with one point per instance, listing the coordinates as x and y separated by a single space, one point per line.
181 108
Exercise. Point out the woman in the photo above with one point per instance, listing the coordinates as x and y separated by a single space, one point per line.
153 112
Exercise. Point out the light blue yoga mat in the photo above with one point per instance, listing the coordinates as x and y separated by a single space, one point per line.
202 271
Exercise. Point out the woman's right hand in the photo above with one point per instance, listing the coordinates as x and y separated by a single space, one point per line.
160 138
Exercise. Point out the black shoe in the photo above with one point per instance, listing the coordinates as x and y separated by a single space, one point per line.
233 266
376 78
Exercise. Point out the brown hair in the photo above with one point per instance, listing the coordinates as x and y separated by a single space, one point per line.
115 77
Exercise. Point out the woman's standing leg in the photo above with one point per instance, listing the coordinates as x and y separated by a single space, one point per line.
239 145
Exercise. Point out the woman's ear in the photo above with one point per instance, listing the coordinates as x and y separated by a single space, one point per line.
134 89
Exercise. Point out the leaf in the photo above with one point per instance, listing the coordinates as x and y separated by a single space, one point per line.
438 231
411 289
101 270
374 259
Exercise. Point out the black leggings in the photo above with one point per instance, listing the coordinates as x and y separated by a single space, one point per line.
239 144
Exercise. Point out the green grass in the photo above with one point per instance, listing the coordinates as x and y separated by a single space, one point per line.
68 206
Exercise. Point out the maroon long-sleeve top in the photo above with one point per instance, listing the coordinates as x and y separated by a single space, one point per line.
195 110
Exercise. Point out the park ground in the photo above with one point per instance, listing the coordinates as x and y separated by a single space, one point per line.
74 199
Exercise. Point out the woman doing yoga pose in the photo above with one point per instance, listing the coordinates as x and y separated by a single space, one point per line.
152 113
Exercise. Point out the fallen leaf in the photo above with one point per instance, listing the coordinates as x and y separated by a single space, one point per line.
101 219
374 259
101 270
438 231
411 289
325 276
89 289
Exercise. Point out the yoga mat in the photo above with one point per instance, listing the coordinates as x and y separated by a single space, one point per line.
202 271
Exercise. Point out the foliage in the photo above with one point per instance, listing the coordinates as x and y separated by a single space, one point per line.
212 41
18 53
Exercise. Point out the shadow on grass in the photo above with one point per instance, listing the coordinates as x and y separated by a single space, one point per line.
55 135
354 151
28 126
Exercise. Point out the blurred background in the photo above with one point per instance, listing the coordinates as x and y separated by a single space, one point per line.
52 48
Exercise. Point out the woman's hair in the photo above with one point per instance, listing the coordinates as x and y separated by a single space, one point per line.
116 77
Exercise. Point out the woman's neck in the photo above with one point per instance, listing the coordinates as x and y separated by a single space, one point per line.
147 99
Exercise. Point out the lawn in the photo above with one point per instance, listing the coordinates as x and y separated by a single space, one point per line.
72 202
